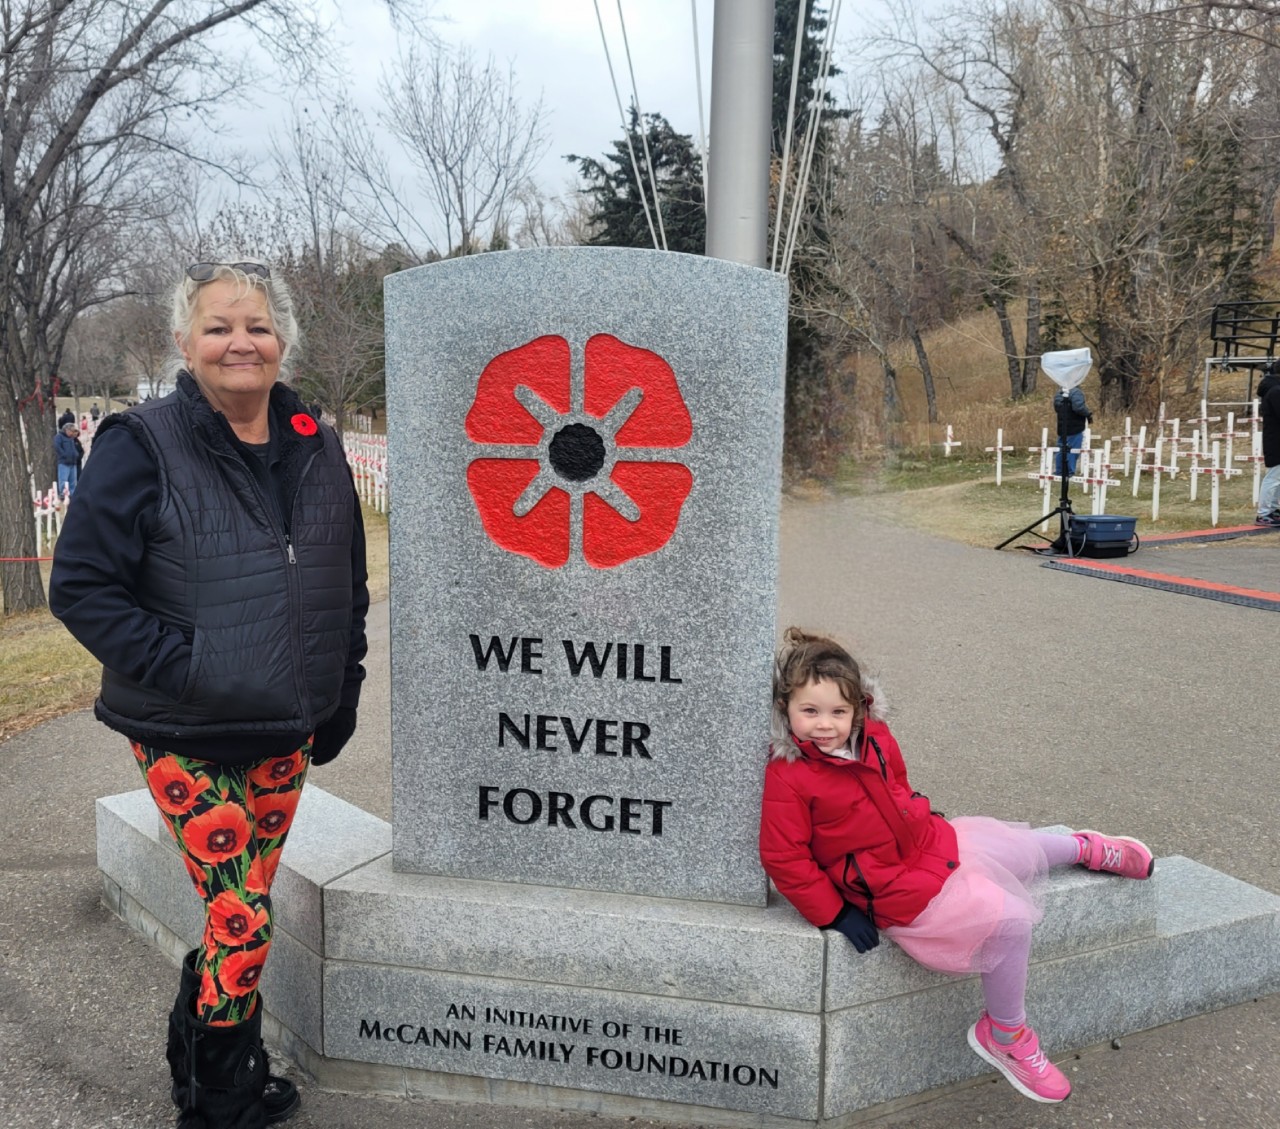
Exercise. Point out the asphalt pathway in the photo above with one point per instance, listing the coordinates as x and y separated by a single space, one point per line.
1015 691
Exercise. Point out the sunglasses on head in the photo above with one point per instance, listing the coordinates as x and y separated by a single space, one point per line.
206 272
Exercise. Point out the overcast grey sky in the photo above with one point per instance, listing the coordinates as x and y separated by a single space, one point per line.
556 52
555 49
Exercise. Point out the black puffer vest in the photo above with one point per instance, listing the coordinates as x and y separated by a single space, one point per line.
265 608
1070 421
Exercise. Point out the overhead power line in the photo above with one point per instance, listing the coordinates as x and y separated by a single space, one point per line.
644 133
702 121
780 211
811 136
626 130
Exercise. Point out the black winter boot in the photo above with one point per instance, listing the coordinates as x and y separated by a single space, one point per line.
280 1097
178 1049
228 1075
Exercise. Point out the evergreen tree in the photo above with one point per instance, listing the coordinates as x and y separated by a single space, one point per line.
617 214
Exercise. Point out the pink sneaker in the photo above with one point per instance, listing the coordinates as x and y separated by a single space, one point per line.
1022 1062
1116 854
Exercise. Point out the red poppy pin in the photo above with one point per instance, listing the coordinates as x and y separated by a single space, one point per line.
303 424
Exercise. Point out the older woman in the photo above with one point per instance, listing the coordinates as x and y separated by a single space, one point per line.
214 562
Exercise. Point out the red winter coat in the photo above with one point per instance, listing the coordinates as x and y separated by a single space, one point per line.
834 830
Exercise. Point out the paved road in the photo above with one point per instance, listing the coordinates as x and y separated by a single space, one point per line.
1017 691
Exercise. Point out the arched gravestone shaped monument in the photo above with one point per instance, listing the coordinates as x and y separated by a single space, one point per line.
586 447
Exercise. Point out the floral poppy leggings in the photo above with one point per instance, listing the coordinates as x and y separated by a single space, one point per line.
230 824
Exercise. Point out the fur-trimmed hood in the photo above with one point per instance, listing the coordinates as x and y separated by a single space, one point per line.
782 745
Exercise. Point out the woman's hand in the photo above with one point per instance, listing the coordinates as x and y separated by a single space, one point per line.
333 735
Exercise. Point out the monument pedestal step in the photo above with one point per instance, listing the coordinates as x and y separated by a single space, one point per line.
555 998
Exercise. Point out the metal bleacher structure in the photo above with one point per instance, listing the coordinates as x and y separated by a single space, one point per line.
1244 337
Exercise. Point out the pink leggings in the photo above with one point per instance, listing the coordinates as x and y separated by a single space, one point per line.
1004 988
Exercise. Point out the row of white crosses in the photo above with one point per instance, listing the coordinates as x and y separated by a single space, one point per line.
48 507
1094 469
367 455
1202 450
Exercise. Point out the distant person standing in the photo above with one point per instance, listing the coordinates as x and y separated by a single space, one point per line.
95 412
1269 409
67 417
1073 416
70 453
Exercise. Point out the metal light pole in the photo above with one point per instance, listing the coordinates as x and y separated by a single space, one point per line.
741 100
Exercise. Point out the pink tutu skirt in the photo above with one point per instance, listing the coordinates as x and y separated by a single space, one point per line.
992 893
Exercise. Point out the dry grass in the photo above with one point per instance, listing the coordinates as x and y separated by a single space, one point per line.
44 672
972 390
970 507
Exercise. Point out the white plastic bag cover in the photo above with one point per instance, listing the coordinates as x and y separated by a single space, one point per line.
1067 368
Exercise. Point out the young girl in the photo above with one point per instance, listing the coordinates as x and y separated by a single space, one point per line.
854 848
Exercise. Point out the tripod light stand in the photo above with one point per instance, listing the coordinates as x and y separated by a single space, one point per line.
1062 511
1067 368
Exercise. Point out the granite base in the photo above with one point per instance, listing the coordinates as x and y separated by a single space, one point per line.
736 1015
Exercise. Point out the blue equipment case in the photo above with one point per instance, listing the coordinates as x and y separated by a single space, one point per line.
1102 535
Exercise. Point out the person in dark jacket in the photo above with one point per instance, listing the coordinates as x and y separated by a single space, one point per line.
67 417
856 849
70 455
1269 408
215 565
1073 416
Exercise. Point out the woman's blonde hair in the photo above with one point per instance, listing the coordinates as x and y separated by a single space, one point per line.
803 658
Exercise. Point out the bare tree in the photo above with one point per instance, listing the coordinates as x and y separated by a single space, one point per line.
463 127
470 141
1136 173
336 281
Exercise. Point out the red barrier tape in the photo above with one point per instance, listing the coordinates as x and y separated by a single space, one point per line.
2 559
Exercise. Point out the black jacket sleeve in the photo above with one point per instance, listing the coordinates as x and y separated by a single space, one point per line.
98 554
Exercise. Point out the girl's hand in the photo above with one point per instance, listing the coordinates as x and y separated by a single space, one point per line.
858 927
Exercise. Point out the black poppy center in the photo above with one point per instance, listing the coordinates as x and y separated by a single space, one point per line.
576 452
223 840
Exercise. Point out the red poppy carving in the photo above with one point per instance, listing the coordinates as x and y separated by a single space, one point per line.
631 406
173 788
303 424
217 834
274 812
238 974
232 921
